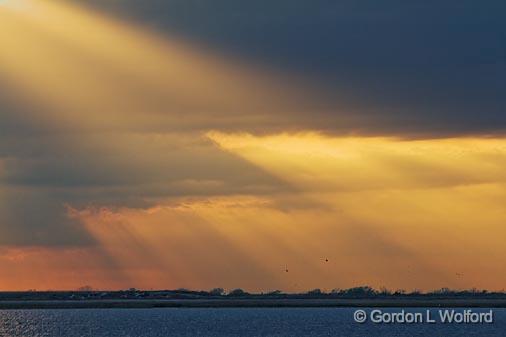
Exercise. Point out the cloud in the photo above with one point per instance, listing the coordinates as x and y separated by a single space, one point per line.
325 163
116 124
223 130
43 174
431 69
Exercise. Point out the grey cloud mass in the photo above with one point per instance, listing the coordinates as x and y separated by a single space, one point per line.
409 68
412 69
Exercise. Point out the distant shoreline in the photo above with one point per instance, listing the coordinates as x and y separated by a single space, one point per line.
247 303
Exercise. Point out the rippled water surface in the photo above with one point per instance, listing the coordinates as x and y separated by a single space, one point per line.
278 322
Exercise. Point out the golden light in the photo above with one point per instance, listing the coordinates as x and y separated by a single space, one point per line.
351 210
81 69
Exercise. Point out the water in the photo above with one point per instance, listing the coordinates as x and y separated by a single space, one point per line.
224 322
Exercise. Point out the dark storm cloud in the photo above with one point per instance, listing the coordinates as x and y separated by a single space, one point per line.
404 67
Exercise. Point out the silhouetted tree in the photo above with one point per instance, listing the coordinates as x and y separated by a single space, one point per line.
275 293
383 291
237 292
314 292
361 292
217 292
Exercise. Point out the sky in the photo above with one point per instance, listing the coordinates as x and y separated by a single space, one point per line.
194 144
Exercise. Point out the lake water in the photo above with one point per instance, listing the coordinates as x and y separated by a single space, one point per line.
223 322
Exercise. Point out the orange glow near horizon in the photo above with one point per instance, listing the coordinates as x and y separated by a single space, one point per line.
384 212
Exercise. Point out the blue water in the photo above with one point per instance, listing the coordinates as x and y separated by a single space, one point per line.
275 322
